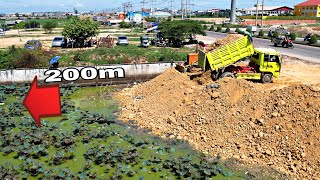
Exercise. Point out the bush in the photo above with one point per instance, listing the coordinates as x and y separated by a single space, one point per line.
219 29
314 39
228 30
205 27
211 28
261 33
49 26
125 25
293 36
275 35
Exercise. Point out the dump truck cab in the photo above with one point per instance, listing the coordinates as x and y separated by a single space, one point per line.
268 60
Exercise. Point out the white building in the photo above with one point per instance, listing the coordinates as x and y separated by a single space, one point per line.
268 10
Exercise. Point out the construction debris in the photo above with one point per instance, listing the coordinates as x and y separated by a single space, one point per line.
260 125
221 42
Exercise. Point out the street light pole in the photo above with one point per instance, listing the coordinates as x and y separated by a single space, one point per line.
233 12
262 13
257 12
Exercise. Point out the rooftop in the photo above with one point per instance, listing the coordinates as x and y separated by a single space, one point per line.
309 3
267 8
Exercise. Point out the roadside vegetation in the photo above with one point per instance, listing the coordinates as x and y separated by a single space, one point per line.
21 58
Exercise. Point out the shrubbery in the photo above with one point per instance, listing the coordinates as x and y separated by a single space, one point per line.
125 25
293 36
314 39
219 28
228 30
261 33
275 35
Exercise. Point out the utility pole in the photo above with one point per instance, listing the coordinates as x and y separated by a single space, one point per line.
151 5
182 9
262 13
186 9
143 2
172 10
233 11
257 12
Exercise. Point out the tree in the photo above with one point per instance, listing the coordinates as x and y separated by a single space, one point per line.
80 30
276 35
228 30
293 36
219 28
177 31
314 39
124 25
49 26
261 33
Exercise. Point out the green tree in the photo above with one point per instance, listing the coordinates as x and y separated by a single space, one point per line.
276 35
293 36
80 30
314 39
177 31
228 30
219 28
211 28
261 33
124 25
49 26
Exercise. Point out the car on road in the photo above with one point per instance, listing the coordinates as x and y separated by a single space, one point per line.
33 45
58 41
123 40
2 33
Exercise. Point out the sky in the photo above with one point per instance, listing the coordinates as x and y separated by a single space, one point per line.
25 6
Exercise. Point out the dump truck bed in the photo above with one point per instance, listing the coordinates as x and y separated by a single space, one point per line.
226 55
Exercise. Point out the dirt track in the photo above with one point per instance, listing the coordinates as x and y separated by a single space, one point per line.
273 125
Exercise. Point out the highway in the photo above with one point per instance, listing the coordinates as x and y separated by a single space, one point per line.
308 53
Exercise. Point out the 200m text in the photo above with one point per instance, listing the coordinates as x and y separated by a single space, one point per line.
87 73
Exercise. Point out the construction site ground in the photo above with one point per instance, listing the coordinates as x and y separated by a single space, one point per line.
273 130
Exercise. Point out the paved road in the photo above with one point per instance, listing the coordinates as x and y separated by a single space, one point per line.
308 53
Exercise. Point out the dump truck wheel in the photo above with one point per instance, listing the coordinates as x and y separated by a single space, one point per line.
227 75
267 78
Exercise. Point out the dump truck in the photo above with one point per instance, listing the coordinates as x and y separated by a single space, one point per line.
264 63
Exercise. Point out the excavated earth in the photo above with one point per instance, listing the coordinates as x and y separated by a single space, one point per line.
274 125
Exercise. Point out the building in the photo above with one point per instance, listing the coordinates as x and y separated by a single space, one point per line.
310 8
268 10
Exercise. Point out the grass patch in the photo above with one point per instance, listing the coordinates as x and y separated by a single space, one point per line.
126 54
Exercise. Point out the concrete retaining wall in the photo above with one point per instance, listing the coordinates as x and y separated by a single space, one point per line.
133 73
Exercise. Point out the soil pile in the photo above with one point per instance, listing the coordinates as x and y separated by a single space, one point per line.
221 42
234 119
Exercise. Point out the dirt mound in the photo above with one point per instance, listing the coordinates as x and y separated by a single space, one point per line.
221 42
233 118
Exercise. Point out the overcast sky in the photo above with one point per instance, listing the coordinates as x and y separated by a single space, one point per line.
11 6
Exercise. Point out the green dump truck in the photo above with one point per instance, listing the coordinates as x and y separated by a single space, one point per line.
264 63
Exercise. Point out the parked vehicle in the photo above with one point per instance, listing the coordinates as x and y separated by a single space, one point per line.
33 45
144 41
2 33
123 40
59 41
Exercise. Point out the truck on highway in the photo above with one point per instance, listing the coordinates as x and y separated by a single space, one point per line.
264 63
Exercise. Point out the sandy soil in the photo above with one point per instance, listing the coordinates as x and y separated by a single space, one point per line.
271 125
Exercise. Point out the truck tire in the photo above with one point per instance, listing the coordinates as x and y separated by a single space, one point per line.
227 75
267 78
275 44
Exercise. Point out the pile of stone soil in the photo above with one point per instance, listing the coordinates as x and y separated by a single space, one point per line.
221 42
278 129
